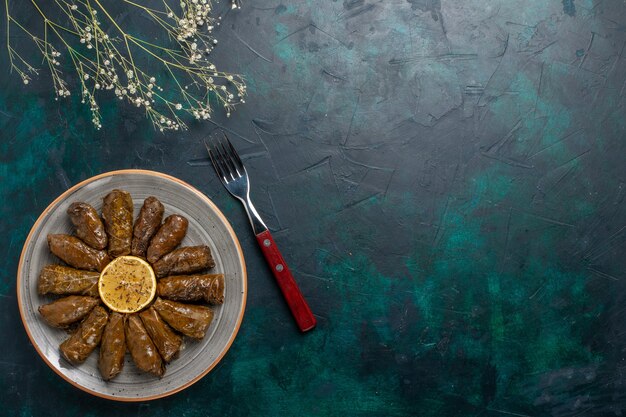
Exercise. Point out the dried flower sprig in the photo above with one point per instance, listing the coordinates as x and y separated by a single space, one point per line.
104 61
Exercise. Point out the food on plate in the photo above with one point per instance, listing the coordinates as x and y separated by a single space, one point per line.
207 287
63 280
127 284
85 339
141 348
167 342
186 260
67 310
112 347
147 223
108 295
77 253
117 212
191 320
168 237
89 227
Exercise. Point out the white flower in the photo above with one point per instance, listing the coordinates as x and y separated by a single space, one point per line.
107 62
179 106
86 76
152 80
74 7
130 74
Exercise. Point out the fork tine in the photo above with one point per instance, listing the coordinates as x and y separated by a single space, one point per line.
215 164
228 160
224 160
234 155
220 161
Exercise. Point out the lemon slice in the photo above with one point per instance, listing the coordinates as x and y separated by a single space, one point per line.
127 284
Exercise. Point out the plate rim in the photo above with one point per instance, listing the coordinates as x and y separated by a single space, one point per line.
230 231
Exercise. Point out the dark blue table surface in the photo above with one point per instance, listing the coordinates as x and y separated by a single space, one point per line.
446 180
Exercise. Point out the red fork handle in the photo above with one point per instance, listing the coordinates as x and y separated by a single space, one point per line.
297 304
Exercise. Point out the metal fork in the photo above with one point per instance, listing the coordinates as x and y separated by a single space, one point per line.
232 173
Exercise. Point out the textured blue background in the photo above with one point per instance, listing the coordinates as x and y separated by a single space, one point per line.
446 179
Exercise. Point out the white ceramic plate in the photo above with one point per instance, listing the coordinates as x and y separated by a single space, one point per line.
207 225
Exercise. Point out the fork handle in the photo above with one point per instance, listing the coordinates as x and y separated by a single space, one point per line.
297 304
